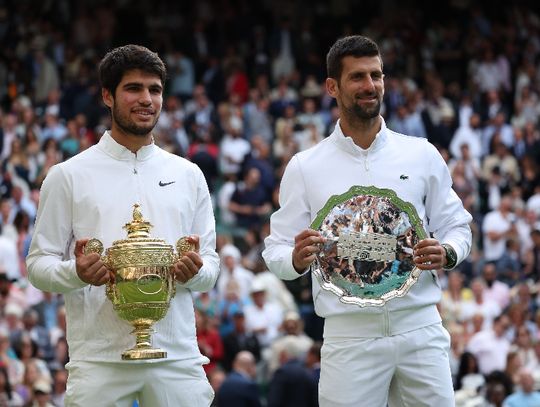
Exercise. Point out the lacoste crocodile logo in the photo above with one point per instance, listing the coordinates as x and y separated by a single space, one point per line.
164 184
403 176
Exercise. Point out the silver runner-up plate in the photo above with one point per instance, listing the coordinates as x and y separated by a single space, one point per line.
367 257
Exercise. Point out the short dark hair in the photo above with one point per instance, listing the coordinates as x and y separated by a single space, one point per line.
118 61
353 45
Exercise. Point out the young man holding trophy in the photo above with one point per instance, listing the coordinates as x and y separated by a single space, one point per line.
139 284
373 215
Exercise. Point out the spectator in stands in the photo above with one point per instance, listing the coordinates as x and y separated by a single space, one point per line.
59 387
208 304
216 378
494 289
407 121
229 306
240 339
532 262
490 346
21 201
455 299
292 384
309 116
519 315
233 147
313 360
10 266
32 376
250 202
53 128
240 388
276 291
263 318
47 310
501 158
182 74
468 374
209 341
488 308
292 334
18 165
37 333
524 348
257 118
498 227
42 394
513 366
526 395
8 360
201 116
471 135
10 292
8 397
260 158
8 230
232 270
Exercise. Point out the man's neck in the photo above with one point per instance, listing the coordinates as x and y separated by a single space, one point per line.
131 142
362 132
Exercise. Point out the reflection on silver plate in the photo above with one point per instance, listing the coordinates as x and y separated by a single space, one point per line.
367 258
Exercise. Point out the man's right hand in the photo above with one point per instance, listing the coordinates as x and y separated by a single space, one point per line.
90 267
306 246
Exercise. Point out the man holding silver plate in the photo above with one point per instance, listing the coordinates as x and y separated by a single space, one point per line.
139 285
373 215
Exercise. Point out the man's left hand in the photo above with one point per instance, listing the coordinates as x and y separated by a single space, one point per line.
189 263
429 255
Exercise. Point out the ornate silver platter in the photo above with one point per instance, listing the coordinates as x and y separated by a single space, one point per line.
367 258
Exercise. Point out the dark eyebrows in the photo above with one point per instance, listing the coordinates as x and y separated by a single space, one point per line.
373 74
153 86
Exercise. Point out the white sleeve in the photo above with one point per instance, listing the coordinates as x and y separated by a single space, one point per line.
291 218
448 219
49 265
204 226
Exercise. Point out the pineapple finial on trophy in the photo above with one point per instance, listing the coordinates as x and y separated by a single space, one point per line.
138 227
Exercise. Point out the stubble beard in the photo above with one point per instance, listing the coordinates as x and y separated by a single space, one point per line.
129 127
357 112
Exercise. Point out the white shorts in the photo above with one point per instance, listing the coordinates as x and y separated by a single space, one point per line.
409 370
162 384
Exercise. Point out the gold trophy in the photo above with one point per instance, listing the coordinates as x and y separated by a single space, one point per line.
143 282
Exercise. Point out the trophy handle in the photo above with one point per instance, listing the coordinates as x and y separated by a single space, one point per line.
95 246
183 245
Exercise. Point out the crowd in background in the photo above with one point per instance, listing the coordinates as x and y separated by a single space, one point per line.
245 93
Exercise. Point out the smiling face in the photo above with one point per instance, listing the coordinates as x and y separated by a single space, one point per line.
136 104
360 88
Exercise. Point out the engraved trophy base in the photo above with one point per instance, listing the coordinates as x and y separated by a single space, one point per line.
140 354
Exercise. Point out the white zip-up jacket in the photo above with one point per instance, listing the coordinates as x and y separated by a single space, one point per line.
92 195
410 166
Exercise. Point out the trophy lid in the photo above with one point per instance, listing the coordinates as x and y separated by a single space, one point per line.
138 234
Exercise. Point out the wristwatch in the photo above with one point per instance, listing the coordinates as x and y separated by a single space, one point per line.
451 256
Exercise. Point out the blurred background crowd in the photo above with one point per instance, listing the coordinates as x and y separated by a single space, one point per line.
245 93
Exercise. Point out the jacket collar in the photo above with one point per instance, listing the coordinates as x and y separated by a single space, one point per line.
347 144
111 147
